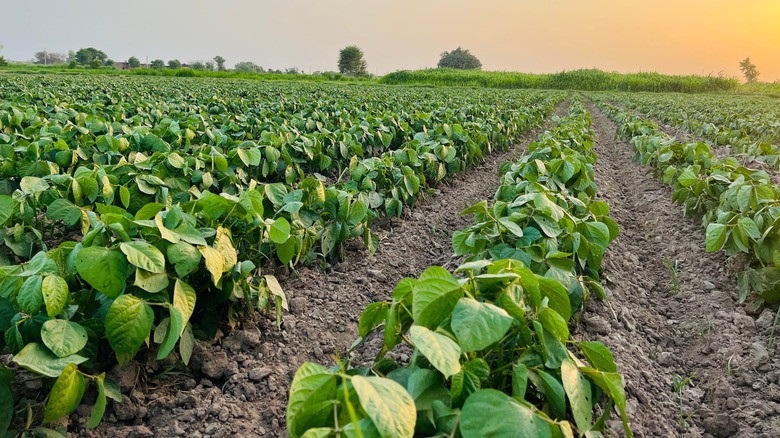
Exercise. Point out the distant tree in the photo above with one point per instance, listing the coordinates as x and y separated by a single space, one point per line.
209 66
174 63
133 62
47 58
3 62
109 63
461 59
157 64
249 67
749 70
292 71
197 65
91 56
351 61
220 62
71 56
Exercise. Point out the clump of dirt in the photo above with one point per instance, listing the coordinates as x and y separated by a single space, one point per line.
694 362
238 385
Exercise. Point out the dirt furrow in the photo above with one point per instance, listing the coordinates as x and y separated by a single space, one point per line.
694 362
240 382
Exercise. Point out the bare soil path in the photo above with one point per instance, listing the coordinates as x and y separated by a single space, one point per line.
694 362
238 385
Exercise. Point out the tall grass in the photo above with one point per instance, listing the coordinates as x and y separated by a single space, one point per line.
182 72
586 80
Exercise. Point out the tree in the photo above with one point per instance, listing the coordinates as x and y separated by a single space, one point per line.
459 58
109 63
174 63
220 62
3 62
351 61
749 70
91 56
71 56
133 62
209 66
47 58
197 65
157 64
248 67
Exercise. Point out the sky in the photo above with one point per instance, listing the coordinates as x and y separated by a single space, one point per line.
542 36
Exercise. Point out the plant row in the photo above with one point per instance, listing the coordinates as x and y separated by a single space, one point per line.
169 260
493 354
739 206
748 124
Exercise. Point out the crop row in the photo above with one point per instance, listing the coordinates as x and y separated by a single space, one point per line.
491 347
750 125
740 207
131 242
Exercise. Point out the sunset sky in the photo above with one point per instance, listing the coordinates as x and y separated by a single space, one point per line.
677 37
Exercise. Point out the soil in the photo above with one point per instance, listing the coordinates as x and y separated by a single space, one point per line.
238 385
694 362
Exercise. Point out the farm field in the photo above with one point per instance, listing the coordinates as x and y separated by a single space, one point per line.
208 252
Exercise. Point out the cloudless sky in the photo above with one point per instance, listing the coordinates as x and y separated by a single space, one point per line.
669 36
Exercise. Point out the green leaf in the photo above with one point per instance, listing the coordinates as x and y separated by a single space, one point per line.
63 337
435 295
557 295
716 237
184 257
172 334
279 231
104 269
441 351
6 400
470 379
519 380
478 325
372 316
599 356
38 359
149 281
186 344
144 255
100 404
556 397
687 178
387 403
7 205
55 294
308 405
30 297
491 413
63 210
612 384
128 323
31 185
554 323
184 298
749 227
66 394
579 392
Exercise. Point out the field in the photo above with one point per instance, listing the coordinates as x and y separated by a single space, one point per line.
214 257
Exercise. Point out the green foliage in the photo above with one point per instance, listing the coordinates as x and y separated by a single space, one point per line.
249 67
174 64
157 64
3 62
133 62
589 80
91 57
459 59
352 61
220 63
749 70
